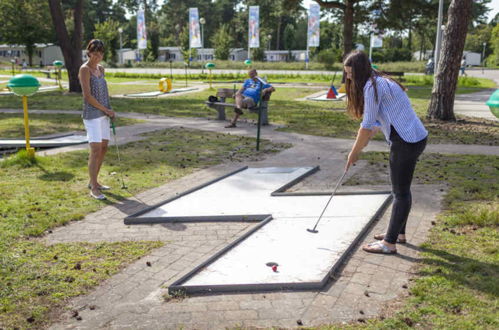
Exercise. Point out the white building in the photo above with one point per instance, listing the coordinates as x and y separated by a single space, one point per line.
283 55
202 54
43 54
471 57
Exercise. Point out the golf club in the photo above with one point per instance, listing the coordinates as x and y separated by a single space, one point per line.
123 185
330 198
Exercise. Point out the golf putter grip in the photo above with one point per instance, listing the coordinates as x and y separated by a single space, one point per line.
112 126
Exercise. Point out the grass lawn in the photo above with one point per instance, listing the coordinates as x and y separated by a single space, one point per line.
35 279
12 124
457 286
306 117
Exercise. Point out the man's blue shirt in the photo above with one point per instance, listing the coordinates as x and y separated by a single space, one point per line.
252 88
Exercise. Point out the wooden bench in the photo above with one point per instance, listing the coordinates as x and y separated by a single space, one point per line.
224 93
397 74
50 70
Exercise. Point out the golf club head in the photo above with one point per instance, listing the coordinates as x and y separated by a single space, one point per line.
313 231
124 187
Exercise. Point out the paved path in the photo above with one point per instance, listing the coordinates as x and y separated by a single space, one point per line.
473 104
133 299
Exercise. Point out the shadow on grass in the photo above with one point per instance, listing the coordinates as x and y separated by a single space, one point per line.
54 176
475 274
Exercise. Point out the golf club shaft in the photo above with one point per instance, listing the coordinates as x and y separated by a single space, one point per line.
330 198
117 152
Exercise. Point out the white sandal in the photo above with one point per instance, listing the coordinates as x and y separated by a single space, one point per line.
99 197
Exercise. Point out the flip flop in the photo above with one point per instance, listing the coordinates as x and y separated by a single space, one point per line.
100 187
381 237
378 247
100 197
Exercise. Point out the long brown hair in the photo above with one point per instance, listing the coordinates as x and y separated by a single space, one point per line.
362 71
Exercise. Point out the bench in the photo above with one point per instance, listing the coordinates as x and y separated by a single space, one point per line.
397 74
49 71
225 93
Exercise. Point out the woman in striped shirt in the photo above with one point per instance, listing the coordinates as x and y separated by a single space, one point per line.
383 105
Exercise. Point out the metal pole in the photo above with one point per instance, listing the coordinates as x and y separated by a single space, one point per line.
259 118
307 58
171 70
439 34
29 150
483 56
371 47
202 49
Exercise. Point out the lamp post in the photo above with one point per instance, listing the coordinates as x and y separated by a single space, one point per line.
202 21
25 85
58 65
483 56
120 30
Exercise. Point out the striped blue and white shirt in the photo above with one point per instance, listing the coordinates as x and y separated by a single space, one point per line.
393 108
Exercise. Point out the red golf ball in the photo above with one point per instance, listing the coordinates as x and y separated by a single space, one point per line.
274 268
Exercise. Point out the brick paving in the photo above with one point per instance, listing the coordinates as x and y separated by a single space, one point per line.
133 299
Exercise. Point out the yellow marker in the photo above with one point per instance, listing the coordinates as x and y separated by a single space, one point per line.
165 85
31 151
24 85
342 89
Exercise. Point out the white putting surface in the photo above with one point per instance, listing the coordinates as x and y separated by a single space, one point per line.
323 97
302 256
45 143
158 93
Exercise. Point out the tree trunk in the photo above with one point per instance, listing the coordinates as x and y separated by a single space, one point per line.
71 47
348 27
445 81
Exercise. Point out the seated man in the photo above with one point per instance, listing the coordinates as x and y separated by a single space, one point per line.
248 95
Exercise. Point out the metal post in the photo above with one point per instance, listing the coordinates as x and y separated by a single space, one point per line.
371 47
120 30
483 56
171 70
185 65
29 150
307 58
438 42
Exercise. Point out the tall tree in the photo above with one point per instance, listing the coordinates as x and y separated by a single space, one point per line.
445 81
25 23
107 31
71 46
222 41
348 9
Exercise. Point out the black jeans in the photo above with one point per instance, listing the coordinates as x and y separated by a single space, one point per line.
403 158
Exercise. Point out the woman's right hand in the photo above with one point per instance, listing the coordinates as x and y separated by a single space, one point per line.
110 113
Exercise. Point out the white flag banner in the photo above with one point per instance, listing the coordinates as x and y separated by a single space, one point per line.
254 29
376 41
194 34
141 30
313 32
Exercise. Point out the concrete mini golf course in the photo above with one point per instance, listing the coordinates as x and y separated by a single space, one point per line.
303 260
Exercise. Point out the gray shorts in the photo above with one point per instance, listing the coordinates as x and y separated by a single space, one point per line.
248 102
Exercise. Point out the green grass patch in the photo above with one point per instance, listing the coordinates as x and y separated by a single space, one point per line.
306 117
458 275
36 280
12 124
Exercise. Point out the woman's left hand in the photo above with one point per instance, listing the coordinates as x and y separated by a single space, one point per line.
352 159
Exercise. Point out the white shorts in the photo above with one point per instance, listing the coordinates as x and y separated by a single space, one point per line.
98 129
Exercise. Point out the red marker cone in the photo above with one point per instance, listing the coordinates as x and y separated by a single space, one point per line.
330 94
